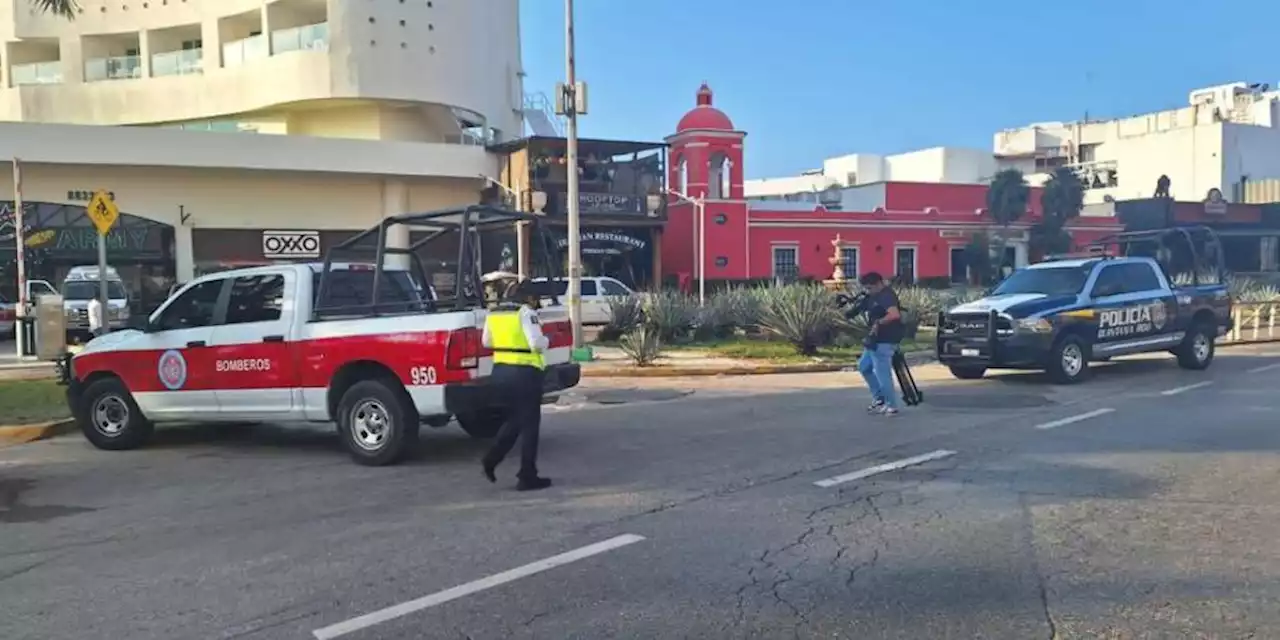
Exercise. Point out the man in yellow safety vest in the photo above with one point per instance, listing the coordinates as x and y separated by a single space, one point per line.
513 333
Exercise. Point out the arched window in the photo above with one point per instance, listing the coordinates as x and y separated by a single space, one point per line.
720 181
682 175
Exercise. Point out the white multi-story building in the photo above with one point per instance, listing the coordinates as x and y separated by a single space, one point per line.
953 165
1225 136
213 121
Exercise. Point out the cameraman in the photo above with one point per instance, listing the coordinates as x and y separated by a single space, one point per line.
886 332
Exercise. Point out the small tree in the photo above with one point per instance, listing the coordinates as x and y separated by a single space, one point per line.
977 255
64 8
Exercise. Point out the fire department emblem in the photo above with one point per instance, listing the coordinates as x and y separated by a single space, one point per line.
173 369
1158 315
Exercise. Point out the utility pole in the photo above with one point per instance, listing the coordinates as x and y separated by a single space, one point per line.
19 234
571 102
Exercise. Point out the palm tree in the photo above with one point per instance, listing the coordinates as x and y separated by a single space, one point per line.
1006 202
64 8
1062 197
1060 201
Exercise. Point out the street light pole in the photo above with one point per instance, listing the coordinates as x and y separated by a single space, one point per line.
570 100
700 232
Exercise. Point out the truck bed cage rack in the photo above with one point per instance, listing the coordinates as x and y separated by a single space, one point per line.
1187 234
468 222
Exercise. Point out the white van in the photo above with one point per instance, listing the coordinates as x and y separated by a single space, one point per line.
81 285
595 296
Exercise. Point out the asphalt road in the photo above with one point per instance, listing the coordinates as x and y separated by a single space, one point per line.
1145 508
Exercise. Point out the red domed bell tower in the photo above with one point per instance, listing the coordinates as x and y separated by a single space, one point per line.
706 163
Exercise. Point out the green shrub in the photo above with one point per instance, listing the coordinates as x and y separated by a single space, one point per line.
642 345
671 314
804 315
625 314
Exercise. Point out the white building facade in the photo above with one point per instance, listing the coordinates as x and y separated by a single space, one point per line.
215 121
953 165
1226 137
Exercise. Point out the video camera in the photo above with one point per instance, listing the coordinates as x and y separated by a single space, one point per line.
859 304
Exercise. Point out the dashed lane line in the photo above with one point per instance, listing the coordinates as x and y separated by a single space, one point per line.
1265 367
426 602
1073 419
886 467
1183 389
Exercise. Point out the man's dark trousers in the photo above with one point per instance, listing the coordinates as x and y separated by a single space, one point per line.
521 387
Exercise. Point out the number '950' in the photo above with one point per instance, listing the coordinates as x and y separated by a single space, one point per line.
422 375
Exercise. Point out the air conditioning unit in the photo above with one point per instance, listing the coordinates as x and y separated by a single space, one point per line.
932 211
878 211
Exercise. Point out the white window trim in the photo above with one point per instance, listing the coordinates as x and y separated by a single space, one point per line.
773 256
857 259
915 259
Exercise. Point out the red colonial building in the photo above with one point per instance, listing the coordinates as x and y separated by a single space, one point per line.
913 231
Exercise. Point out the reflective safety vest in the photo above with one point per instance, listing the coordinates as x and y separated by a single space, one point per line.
510 346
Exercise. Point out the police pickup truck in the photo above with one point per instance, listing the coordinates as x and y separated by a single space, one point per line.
1060 315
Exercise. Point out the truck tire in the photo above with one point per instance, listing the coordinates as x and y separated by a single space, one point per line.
1068 360
968 373
110 419
1197 349
482 424
377 422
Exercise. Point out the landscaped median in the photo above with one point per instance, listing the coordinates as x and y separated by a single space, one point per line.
32 410
735 357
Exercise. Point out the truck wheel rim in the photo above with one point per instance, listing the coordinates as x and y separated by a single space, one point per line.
110 416
1200 346
1072 360
370 424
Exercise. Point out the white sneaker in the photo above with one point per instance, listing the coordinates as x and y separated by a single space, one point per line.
875 407
886 411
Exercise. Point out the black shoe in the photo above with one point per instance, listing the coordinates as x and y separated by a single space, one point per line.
533 484
489 469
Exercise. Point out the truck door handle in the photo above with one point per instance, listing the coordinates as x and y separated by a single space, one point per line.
276 338
195 343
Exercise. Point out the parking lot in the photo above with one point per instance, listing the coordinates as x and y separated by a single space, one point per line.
1139 504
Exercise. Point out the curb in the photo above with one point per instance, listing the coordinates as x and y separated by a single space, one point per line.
20 434
746 370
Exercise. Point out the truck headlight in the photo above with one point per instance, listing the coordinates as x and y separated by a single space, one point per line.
1034 325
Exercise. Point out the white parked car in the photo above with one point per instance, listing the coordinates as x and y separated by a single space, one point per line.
596 292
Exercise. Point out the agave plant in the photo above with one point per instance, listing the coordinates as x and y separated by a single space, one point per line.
804 315
739 307
671 314
625 314
642 345
921 304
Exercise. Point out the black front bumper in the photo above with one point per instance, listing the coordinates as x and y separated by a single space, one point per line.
465 397
1011 350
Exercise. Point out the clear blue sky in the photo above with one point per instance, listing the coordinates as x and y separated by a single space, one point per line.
809 79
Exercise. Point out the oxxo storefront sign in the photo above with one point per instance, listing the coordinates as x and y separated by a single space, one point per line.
290 245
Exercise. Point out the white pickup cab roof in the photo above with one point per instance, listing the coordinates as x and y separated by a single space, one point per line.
90 273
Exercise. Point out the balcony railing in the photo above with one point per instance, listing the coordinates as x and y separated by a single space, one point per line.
312 37
178 63
36 73
240 51
113 68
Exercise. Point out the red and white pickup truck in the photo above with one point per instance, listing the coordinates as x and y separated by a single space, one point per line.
245 346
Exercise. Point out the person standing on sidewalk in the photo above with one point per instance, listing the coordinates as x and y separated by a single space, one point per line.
95 318
886 332
513 333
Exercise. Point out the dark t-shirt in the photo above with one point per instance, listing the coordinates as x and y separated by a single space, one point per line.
891 332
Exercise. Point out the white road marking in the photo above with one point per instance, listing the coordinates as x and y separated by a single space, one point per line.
1176 390
1265 367
888 466
1076 418
426 602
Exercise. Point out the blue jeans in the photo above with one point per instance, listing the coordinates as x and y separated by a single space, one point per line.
876 367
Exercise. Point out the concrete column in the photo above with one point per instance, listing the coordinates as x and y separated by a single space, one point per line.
183 253
266 29
522 249
211 45
395 201
144 52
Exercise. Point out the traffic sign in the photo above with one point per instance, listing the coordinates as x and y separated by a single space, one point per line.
103 211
